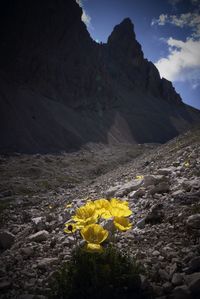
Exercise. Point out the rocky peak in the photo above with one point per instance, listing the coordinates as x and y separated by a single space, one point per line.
123 41
123 30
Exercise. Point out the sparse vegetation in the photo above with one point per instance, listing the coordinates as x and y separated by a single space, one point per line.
98 275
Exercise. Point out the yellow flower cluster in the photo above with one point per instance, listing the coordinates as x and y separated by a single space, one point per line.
186 164
86 220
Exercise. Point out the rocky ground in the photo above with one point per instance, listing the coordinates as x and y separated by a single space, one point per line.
165 200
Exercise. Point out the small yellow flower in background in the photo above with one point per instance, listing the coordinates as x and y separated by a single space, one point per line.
122 223
68 205
186 164
86 215
94 235
139 177
50 207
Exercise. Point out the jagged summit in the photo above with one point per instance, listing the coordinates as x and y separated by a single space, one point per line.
123 40
59 89
125 28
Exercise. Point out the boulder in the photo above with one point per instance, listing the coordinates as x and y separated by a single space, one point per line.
166 171
128 187
162 187
153 180
111 191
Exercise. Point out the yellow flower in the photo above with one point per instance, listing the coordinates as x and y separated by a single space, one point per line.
102 207
115 202
101 203
94 235
139 177
94 247
122 223
85 215
71 227
119 208
90 205
68 205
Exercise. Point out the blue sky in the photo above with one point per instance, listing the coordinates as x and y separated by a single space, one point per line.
168 30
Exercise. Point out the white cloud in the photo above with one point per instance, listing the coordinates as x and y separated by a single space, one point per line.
182 63
183 60
85 17
191 20
162 20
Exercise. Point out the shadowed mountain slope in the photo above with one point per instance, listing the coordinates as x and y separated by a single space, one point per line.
59 89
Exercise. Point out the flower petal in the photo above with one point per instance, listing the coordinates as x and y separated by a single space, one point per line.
122 223
91 247
94 233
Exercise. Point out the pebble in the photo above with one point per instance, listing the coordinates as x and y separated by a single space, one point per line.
39 236
166 171
46 262
138 193
155 253
141 223
162 187
193 221
153 180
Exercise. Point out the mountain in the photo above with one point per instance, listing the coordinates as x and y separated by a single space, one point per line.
59 89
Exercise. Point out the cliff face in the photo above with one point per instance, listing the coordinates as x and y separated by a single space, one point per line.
59 89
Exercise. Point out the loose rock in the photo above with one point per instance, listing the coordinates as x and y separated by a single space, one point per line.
39 236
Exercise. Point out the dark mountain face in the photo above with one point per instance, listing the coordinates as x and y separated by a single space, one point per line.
59 89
